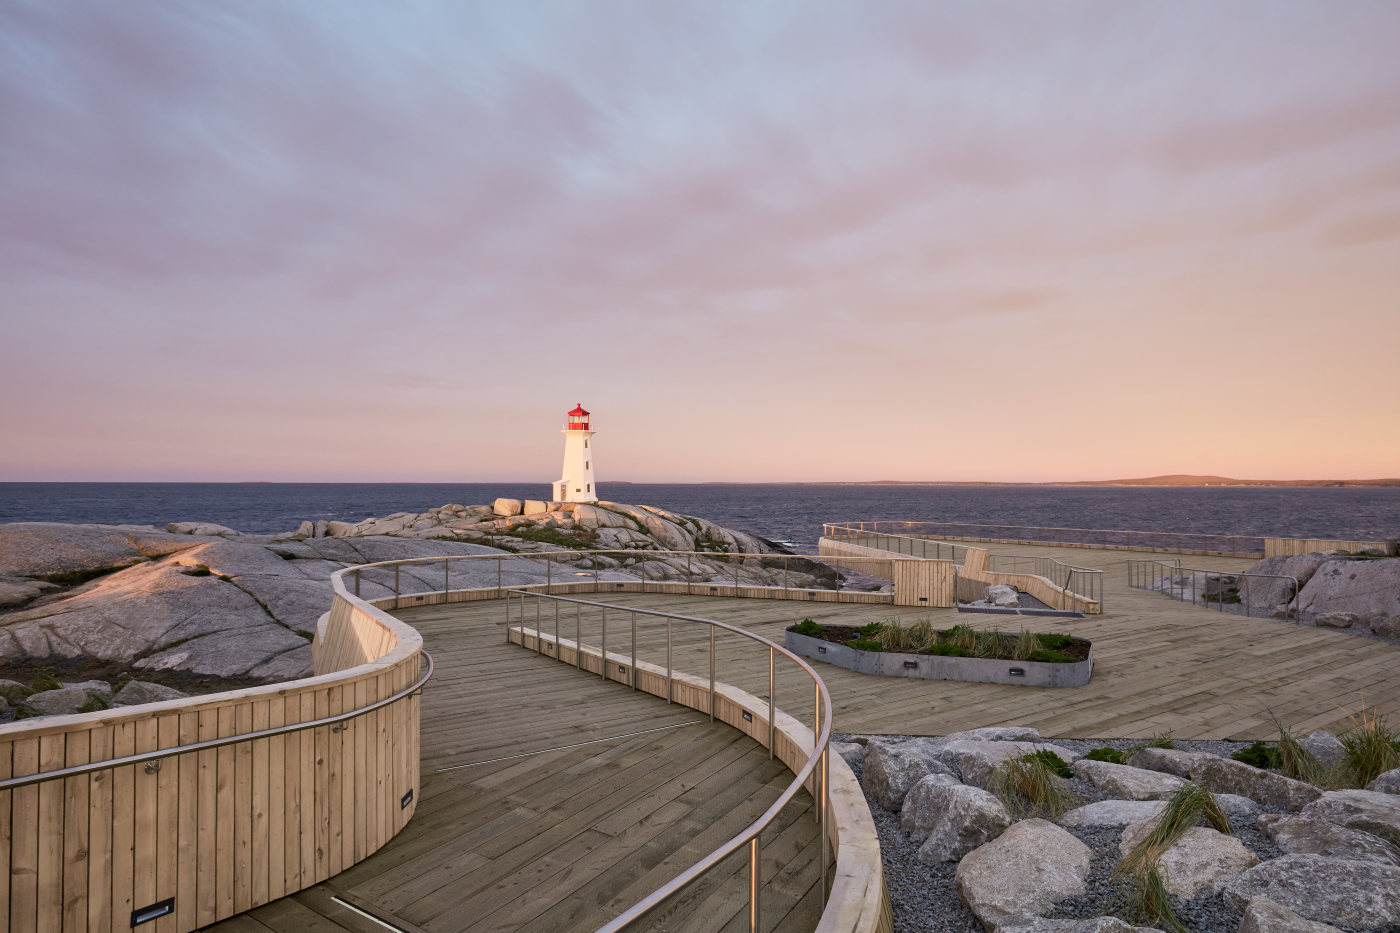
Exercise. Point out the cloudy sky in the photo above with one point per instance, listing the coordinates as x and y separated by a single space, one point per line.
760 241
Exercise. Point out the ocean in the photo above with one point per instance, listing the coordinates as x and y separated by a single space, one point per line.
775 511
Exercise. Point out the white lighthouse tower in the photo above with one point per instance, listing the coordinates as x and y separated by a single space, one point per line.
576 485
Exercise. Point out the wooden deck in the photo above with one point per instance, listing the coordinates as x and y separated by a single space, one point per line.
528 834
568 838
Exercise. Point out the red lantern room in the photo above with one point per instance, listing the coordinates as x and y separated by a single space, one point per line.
578 419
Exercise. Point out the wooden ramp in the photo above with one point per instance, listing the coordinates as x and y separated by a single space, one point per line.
569 800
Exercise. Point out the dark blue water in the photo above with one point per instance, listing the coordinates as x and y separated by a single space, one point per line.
793 513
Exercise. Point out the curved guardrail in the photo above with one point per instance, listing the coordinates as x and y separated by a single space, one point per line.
1219 589
816 767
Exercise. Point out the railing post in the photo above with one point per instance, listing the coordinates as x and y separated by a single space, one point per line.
755 880
604 650
772 685
825 804
357 581
446 577
507 618
736 578
578 636
558 655
396 592
539 641
712 672
688 577
816 732
634 652
548 574
498 576
668 661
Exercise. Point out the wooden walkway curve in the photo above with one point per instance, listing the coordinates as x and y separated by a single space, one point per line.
569 799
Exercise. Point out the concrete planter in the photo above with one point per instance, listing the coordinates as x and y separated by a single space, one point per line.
935 667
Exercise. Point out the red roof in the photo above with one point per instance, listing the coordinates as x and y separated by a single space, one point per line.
579 410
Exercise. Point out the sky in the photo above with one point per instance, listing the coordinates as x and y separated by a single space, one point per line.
801 241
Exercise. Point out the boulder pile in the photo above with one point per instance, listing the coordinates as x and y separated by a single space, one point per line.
206 600
1299 858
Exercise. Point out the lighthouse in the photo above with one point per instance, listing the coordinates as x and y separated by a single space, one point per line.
576 485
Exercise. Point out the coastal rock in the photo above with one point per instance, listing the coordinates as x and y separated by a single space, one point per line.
1127 782
534 507
1002 596
1353 586
1262 915
670 535
590 516
1353 894
137 692
70 698
1388 783
507 506
1336 620
1108 813
1235 805
975 761
1390 628
1300 835
206 529
19 592
891 771
200 624
1200 864
1226 776
950 819
1368 811
1022 873
1270 591
851 752
1091 925
1324 746
1169 760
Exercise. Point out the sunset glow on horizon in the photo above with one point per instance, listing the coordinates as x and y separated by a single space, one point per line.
760 242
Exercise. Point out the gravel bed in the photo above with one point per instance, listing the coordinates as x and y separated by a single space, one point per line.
925 900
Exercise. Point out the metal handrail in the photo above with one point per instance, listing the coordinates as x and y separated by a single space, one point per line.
159 754
820 757
1082 537
738 560
1139 575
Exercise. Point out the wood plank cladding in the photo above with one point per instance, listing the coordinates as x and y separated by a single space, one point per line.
221 830
1289 547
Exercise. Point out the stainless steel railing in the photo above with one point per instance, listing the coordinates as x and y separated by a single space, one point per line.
1179 542
701 570
1223 588
817 766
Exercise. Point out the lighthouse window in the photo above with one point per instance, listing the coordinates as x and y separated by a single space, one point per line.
590 487
587 465
585 443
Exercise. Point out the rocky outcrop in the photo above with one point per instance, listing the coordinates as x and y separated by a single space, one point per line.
1170 760
1022 873
1275 592
1109 813
1388 783
1262 915
1360 587
1200 864
892 769
949 819
975 761
1352 894
1324 746
1368 811
69 699
1125 782
137 692
1300 835
1092 925
1226 776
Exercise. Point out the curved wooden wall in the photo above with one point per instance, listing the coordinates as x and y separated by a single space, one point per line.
223 830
